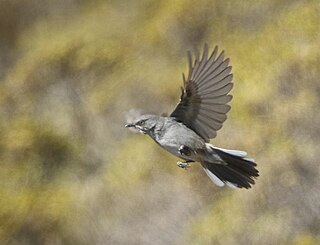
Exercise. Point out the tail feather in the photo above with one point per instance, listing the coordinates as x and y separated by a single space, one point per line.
215 179
232 152
243 165
238 170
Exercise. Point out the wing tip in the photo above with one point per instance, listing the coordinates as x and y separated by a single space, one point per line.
184 79
215 51
205 52
221 55
197 56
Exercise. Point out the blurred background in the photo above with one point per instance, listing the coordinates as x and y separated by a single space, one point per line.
72 72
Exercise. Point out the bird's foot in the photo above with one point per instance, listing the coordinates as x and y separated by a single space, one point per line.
184 150
184 165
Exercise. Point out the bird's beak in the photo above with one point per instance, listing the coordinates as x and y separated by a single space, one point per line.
139 128
129 125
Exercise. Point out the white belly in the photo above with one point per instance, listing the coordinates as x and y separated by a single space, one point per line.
174 149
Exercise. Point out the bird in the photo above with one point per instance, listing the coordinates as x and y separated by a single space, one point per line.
199 114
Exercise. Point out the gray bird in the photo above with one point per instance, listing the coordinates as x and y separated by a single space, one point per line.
196 119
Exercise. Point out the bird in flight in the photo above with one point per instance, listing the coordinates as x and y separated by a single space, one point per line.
200 113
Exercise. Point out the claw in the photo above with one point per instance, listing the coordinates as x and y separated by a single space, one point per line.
183 165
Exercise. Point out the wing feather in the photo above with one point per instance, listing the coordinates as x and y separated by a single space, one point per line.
216 100
220 70
203 104
224 90
225 80
211 69
203 61
208 63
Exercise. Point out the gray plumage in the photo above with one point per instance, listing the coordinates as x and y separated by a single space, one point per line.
198 116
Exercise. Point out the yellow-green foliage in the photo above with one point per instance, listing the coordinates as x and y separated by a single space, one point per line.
73 72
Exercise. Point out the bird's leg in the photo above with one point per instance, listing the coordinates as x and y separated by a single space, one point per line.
185 165
184 151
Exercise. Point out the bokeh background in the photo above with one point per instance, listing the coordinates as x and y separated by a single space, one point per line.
72 72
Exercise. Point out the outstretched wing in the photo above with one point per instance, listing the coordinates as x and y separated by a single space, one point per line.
203 102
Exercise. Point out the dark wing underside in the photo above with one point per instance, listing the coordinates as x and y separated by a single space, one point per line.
203 102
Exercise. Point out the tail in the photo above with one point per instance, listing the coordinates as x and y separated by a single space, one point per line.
235 170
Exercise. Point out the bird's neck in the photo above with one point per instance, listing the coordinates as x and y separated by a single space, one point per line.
157 132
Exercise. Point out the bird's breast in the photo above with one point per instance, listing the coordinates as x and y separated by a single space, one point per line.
174 135
173 149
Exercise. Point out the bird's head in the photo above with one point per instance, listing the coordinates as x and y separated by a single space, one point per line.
145 123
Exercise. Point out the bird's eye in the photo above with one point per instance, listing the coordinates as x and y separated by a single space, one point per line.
141 123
